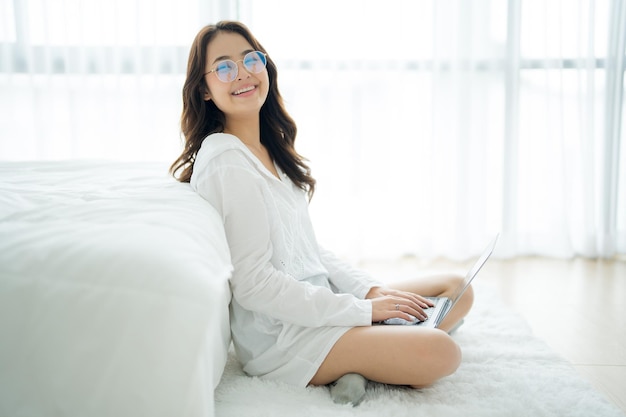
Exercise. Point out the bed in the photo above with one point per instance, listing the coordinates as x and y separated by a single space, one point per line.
113 292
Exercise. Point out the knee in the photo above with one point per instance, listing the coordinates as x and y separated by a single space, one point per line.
447 352
455 283
444 359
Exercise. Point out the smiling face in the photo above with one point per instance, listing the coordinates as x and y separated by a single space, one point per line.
245 95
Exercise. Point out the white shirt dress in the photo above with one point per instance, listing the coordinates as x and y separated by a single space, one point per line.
292 300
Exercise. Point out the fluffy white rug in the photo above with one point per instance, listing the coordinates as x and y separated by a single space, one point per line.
506 371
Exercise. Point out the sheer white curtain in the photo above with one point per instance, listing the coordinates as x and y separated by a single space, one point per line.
95 79
430 125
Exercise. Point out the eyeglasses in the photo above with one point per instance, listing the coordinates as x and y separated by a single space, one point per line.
227 70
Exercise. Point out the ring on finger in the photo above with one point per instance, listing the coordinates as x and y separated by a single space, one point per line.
397 306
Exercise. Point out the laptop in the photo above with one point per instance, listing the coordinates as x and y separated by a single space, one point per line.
443 305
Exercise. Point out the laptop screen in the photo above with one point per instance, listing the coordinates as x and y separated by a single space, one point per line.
472 272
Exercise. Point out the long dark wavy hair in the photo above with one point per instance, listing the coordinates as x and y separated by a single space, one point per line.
201 118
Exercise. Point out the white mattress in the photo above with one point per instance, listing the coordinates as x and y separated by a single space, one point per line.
113 292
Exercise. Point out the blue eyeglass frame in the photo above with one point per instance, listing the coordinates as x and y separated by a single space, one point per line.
232 69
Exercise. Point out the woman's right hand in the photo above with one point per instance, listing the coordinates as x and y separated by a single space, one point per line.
398 304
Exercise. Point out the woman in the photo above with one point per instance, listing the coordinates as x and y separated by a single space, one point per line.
298 313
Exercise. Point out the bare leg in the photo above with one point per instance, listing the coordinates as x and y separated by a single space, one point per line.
442 285
401 355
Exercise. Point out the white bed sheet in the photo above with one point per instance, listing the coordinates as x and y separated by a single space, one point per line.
113 292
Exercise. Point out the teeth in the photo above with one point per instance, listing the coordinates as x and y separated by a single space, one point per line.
243 90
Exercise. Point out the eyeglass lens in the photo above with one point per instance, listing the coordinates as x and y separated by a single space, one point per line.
253 62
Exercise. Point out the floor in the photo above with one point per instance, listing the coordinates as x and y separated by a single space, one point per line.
577 306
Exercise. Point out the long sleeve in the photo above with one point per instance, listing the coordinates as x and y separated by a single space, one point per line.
240 195
346 278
